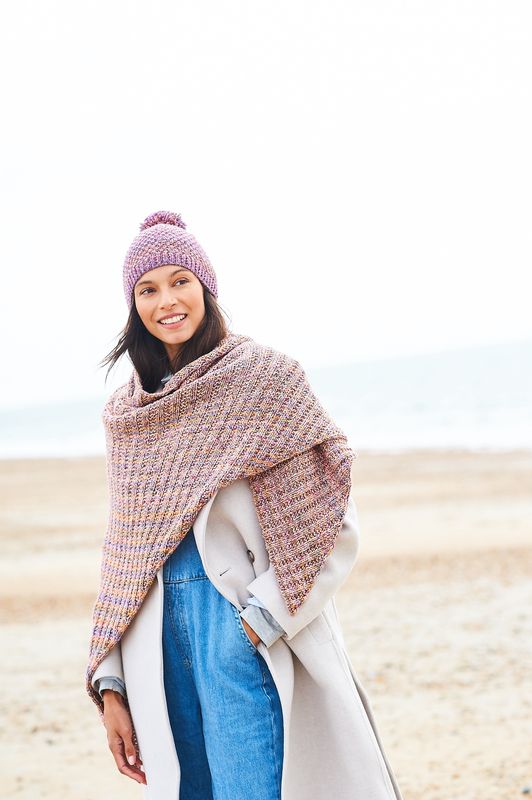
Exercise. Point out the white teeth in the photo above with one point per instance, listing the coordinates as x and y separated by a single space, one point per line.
177 318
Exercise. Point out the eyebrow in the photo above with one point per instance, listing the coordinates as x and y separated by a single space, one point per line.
181 269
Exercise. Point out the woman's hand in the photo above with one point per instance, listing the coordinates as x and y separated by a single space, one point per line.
119 726
255 638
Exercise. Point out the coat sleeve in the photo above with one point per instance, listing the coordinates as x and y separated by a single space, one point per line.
111 682
111 666
332 575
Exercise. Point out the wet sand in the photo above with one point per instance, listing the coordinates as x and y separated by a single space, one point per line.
436 614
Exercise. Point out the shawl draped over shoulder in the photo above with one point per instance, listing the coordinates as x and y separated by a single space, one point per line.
241 410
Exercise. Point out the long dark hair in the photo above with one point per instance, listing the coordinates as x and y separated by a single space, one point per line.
148 354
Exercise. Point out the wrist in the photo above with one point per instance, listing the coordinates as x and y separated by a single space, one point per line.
254 636
111 694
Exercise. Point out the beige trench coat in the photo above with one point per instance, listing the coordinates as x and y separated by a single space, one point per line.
331 745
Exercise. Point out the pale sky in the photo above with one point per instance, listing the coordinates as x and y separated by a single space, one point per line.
359 173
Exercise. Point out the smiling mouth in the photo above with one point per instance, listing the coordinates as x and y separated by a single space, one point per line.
169 322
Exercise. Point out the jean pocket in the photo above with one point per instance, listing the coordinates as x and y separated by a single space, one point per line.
243 631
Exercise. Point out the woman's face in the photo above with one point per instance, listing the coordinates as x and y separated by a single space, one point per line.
163 293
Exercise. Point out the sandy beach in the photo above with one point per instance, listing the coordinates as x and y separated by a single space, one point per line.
436 614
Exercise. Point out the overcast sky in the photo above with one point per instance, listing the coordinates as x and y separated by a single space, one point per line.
359 173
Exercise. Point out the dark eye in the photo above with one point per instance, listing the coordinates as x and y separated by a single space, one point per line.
185 280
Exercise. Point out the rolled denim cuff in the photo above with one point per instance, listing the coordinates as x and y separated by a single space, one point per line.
262 623
109 682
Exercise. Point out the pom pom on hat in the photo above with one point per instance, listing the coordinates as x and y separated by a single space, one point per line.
162 218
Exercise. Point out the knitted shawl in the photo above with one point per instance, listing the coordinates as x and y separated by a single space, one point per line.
241 410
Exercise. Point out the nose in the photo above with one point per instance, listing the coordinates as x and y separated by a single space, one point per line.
167 299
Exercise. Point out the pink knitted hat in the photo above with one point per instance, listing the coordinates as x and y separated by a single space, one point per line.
163 239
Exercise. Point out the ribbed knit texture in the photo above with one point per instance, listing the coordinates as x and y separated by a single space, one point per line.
241 410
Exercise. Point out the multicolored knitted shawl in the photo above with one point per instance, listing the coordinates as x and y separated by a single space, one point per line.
241 410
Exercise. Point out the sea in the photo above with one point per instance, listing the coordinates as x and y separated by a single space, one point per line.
476 398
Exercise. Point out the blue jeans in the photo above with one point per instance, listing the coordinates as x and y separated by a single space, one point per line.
223 704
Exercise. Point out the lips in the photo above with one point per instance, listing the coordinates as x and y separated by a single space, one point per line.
171 316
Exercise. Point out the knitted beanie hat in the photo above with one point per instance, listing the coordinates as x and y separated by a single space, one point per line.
163 239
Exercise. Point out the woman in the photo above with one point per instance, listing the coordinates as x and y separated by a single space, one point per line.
217 661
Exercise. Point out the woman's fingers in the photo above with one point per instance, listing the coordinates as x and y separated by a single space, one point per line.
120 737
117 747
